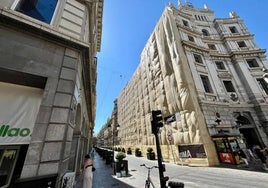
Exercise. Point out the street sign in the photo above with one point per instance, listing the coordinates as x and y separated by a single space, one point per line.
169 135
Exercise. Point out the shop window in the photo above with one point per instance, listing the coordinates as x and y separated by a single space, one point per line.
252 63
191 38
185 23
8 157
212 46
42 10
233 29
229 86
205 33
198 58
220 65
263 85
241 44
206 84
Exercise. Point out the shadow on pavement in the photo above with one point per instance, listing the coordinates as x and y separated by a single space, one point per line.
103 177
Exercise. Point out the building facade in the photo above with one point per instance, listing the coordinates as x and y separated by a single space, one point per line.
206 76
108 135
47 89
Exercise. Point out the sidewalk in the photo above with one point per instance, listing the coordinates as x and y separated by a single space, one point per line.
103 177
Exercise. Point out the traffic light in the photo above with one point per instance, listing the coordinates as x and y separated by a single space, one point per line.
157 118
157 121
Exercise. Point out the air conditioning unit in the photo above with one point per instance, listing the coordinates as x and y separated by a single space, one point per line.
233 97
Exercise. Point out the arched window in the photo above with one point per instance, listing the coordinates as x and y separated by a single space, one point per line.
242 120
205 32
42 10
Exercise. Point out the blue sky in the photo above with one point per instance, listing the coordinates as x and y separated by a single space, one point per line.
127 25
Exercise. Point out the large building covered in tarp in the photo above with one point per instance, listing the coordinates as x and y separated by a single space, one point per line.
206 76
47 89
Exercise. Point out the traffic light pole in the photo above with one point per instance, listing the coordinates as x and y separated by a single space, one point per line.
159 159
156 123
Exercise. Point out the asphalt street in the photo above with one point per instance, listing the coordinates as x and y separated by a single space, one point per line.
195 177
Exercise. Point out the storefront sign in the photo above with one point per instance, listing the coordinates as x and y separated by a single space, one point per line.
192 151
226 158
5 130
19 106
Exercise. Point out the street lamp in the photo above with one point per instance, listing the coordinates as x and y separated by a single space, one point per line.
114 131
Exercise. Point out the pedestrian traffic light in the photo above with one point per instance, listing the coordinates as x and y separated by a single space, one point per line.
156 121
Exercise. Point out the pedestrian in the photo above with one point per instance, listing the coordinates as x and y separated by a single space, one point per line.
242 155
92 153
260 153
266 152
251 156
87 172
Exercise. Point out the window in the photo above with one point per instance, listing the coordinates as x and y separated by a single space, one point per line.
220 65
185 23
198 58
42 10
191 38
264 86
252 63
212 46
8 157
233 29
205 33
206 84
241 44
229 86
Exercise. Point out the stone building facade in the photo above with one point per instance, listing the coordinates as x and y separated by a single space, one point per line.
207 74
47 89
108 135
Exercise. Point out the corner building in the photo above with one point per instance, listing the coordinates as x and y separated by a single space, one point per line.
47 89
206 73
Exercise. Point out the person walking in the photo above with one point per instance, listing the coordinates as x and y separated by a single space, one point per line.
242 155
92 153
87 172
260 153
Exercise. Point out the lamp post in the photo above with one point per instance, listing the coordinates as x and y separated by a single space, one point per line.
114 131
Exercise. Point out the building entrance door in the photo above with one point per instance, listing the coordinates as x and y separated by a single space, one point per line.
250 137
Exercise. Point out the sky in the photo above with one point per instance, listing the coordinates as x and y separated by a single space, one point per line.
128 24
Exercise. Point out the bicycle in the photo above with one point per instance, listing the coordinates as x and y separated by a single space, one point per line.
148 181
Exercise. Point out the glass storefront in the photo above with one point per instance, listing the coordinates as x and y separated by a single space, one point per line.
226 148
8 158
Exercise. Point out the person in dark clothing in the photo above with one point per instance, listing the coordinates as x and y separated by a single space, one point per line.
260 153
242 155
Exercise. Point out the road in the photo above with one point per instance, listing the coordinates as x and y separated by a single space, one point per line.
195 177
